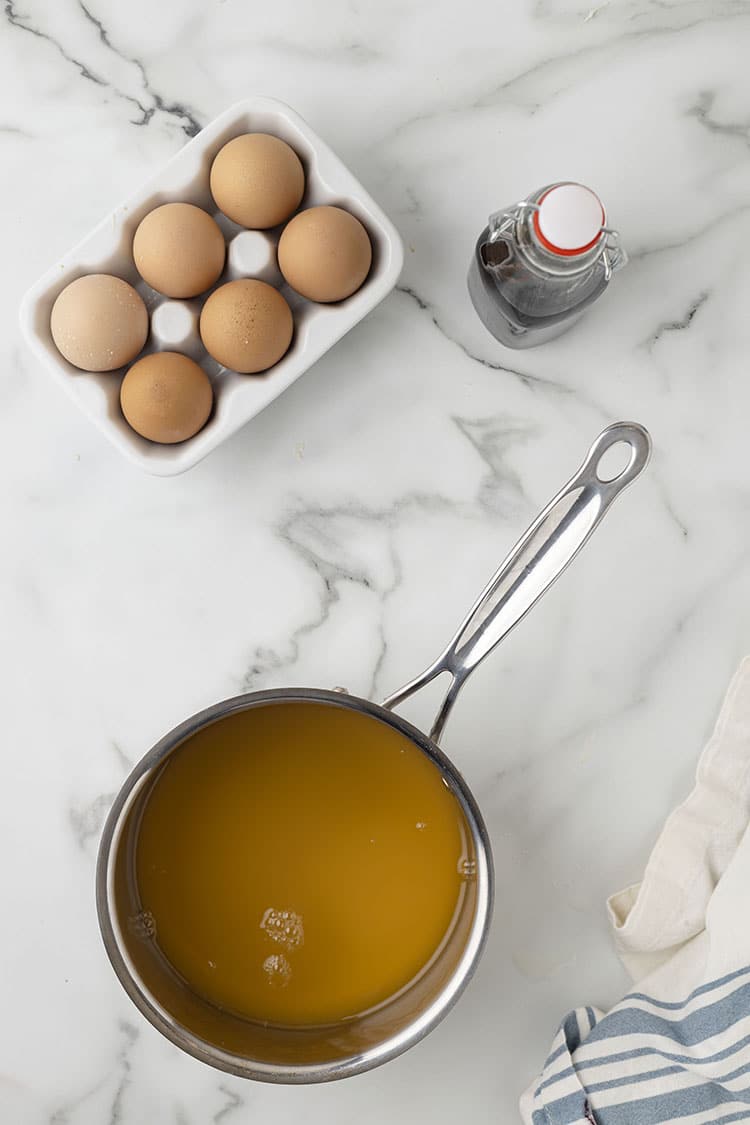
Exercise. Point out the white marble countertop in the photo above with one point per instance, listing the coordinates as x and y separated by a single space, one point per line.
341 535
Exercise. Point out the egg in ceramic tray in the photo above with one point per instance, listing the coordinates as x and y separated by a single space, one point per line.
190 277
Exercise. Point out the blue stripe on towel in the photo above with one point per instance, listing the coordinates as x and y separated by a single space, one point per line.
640 1052
630 1079
688 1061
571 1031
669 1027
690 1030
674 1006
669 1106
612 1083
561 1050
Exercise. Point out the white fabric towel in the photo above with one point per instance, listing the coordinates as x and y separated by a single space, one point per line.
677 1049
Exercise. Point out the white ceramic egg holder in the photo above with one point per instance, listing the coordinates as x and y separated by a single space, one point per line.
174 324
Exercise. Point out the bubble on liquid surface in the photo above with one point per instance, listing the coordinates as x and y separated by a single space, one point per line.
421 824
467 868
278 970
284 927
142 925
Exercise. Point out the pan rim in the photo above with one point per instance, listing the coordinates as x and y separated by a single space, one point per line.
243 1066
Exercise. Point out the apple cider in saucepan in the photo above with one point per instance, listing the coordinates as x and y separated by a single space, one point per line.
300 863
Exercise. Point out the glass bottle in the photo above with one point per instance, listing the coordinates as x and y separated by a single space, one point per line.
539 264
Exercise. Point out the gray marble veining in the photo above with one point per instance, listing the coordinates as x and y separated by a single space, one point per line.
339 538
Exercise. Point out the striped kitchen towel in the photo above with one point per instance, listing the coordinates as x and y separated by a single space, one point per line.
677 1048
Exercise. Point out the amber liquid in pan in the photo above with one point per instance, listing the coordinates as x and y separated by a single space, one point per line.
302 862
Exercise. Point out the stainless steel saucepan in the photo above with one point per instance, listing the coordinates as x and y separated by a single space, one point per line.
296 1055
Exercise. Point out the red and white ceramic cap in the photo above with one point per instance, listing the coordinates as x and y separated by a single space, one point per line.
569 220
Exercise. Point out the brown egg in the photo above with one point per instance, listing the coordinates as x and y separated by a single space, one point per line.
257 180
99 322
179 250
166 397
246 325
325 253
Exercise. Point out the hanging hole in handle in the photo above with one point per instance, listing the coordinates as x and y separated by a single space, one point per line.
615 461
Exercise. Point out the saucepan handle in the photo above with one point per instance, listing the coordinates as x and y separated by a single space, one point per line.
540 556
